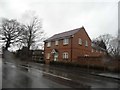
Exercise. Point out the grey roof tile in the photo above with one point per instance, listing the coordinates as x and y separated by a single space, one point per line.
63 34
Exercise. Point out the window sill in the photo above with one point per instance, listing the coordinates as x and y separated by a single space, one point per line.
80 44
48 47
65 59
65 44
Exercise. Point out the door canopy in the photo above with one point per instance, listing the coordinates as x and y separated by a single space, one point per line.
54 51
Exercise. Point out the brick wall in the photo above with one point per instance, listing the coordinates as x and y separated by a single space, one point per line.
81 50
73 48
60 47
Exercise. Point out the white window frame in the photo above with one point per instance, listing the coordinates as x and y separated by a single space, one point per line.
65 41
48 56
56 42
65 55
86 43
48 44
80 41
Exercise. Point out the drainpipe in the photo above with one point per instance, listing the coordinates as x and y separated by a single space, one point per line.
71 46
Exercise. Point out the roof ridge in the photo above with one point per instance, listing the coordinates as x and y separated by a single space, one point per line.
69 31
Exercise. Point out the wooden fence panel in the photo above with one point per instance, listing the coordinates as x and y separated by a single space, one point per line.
102 62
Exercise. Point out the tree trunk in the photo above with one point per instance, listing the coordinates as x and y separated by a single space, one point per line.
7 45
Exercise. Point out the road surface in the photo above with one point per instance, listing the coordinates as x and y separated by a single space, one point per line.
40 76
15 77
27 77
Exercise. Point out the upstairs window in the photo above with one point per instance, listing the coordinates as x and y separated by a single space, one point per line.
65 41
48 56
56 42
86 43
48 44
80 41
65 55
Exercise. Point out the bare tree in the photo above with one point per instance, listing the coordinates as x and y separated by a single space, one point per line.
10 32
33 33
115 50
111 44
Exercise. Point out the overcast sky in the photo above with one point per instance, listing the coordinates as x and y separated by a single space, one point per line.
97 16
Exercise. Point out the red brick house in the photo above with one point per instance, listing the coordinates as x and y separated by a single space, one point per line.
68 46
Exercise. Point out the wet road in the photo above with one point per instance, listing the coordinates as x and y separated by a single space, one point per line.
14 77
21 77
37 77
87 79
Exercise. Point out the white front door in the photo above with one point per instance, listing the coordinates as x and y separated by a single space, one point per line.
55 56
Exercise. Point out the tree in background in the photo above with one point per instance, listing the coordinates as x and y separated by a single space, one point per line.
109 43
33 35
115 50
10 32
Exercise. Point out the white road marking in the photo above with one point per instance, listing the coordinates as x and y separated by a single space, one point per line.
13 66
57 76
53 74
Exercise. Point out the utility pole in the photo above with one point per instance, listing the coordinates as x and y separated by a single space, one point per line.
119 27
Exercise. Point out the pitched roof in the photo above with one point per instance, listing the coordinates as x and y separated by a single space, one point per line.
63 34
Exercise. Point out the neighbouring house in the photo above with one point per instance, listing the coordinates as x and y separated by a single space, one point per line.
38 55
24 54
97 50
31 55
68 46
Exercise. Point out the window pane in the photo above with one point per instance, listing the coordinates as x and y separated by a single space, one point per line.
80 41
65 41
48 56
86 43
48 44
56 42
65 55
